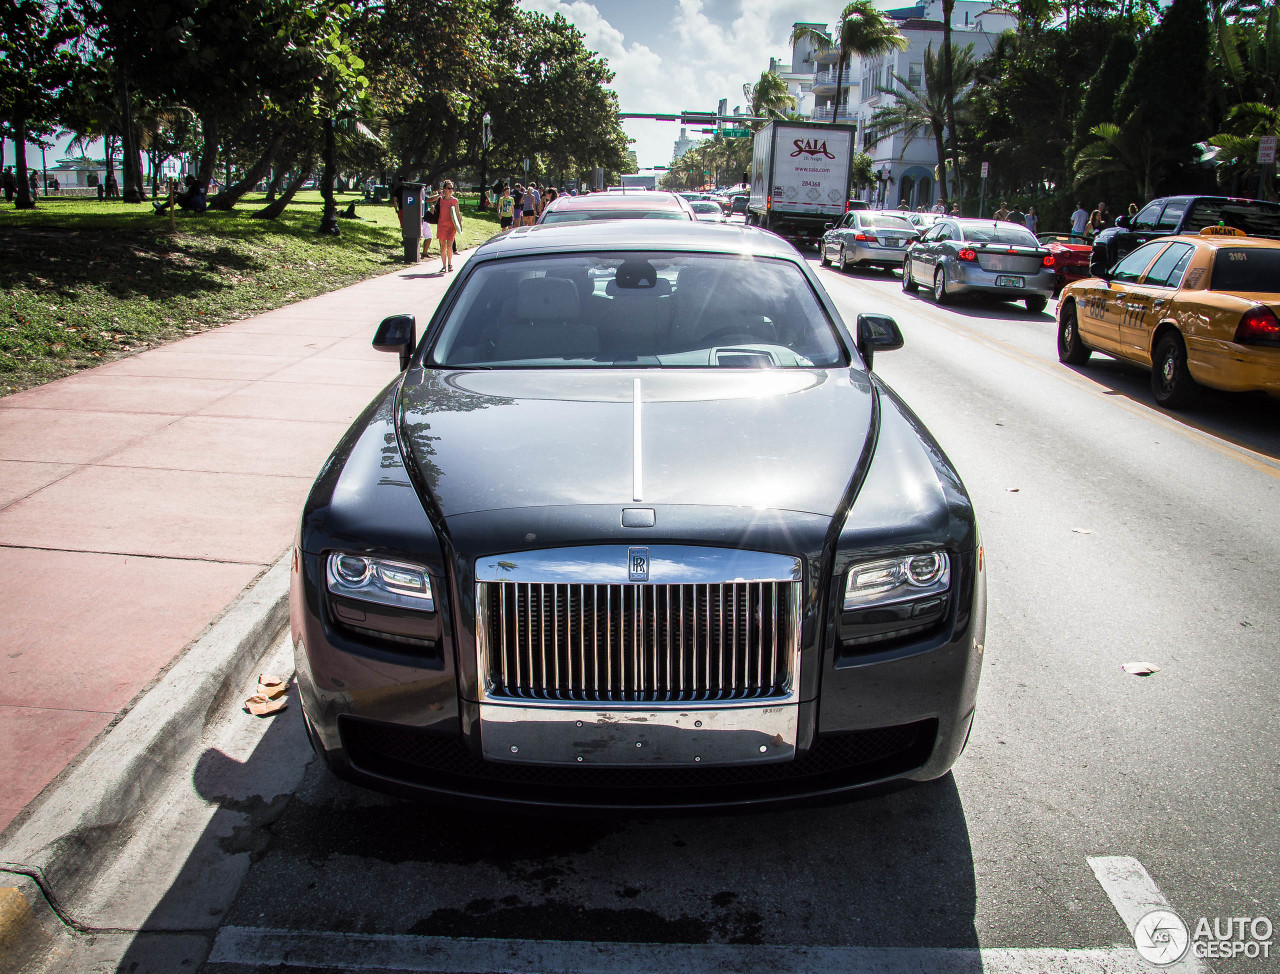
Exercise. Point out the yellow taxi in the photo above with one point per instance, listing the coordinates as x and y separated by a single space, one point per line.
1197 310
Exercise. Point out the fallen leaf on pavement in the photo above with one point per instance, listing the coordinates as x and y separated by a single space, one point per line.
272 686
1013 490
1141 669
261 705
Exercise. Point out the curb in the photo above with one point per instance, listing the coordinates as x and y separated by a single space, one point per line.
77 822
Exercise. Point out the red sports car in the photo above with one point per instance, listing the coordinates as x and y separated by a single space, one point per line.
1070 258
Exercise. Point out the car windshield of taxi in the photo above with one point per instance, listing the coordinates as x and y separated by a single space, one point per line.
1198 310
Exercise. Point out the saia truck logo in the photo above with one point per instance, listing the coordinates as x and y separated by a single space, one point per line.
810 147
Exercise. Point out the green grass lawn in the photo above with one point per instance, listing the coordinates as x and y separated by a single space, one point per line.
83 282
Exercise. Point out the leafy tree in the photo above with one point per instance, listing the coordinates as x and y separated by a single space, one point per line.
1133 149
36 67
768 97
863 31
1238 144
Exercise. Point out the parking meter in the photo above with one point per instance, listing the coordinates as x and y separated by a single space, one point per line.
411 220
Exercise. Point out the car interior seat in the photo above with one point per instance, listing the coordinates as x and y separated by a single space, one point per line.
547 324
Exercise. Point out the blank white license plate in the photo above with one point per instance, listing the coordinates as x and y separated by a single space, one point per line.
892 242
1006 280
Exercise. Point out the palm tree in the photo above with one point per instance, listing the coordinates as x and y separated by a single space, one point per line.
1238 143
924 104
769 96
949 89
863 31
1129 149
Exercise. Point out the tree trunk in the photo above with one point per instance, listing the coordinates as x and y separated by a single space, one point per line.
949 97
329 221
25 202
835 105
209 156
230 195
275 209
130 164
942 161
277 177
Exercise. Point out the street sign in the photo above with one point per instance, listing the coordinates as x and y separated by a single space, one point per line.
986 166
735 133
1267 149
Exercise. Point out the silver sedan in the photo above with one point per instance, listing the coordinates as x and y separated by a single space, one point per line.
961 256
867 238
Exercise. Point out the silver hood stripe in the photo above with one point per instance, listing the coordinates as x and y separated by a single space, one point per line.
637 463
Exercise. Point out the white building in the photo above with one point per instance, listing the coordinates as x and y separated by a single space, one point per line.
907 168
683 145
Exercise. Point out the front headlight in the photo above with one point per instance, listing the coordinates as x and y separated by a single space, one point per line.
379 581
890 580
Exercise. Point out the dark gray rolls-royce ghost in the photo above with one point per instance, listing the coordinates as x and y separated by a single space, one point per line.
636 526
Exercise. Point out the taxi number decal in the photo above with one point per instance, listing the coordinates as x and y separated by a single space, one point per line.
1237 255
1133 315
1095 306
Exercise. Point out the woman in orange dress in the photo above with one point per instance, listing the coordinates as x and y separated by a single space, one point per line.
448 225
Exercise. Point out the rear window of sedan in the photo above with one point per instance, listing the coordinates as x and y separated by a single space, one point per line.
1257 218
1001 234
877 221
578 214
1247 269
638 309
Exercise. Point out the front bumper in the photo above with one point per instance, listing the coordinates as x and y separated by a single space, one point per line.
398 723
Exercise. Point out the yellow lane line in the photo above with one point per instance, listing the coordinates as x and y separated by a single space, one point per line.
1196 434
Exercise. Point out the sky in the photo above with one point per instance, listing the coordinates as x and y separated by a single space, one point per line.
670 55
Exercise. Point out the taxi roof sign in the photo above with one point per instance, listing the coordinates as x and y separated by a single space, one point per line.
1221 231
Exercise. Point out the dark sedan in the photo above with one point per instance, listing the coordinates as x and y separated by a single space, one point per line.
966 256
636 526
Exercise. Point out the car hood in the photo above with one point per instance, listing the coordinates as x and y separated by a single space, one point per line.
785 439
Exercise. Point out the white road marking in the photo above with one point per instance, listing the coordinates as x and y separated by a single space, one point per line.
259 947
1134 894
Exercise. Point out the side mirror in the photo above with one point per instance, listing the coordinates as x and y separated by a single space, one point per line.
828 226
877 333
397 333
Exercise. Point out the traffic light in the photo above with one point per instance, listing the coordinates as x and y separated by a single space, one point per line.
698 118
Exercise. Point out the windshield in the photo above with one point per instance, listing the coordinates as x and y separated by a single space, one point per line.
701 207
659 309
1247 269
577 214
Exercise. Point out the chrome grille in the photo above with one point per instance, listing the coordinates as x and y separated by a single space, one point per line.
639 642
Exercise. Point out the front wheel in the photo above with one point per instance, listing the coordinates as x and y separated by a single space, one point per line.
1071 350
908 284
1036 303
825 260
1171 381
940 294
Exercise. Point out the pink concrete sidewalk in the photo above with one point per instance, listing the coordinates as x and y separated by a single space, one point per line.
140 498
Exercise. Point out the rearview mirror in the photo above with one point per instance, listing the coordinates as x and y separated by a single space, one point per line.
877 333
397 333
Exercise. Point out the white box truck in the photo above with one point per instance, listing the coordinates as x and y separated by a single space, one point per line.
800 177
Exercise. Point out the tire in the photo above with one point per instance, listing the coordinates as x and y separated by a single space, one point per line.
841 263
940 294
908 285
1036 303
1171 381
822 250
1071 350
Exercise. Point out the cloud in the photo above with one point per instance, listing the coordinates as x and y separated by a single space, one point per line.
708 50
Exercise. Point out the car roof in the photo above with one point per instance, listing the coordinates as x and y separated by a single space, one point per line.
648 199
604 235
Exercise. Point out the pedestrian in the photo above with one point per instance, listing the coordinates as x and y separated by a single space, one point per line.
1033 220
448 224
430 216
113 187
1003 212
34 183
10 184
1094 226
529 204
955 209
1017 216
57 186
1079 220
939 207
506 207
1126 220
1105 215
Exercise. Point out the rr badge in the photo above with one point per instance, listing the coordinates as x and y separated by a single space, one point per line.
637 564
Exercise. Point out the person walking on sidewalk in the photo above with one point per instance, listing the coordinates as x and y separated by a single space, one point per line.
449 224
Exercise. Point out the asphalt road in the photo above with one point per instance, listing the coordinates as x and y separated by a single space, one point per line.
1114 533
